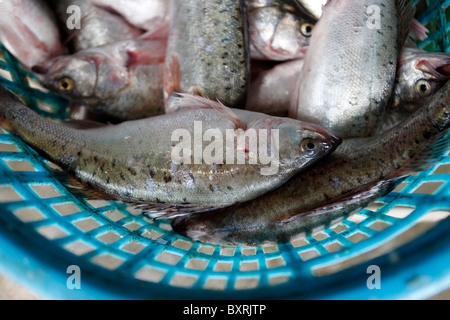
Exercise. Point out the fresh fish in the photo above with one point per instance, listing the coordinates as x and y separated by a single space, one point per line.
207 51
271 87
147 15
350 66
358 172
29 31
420 75
87 26
136 161
278 30
119 81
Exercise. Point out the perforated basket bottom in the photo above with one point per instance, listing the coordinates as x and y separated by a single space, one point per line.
44 229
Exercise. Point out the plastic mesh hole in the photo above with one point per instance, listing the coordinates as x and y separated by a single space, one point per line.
401 186
223 266
338 228
215 283
248 251
183 280
97 203
400 212
87 224
52 232
45 106
32 83
66 209
133 247
275 262
249 265
9 194
197 264
379 225
356 218
357 237
320 236
20 165
334 247
45 191
299 242
246 283
442 169
309 254
270 248
150 274
168 258
79 247
374 206
182 244
206 249
133 226
108 261
152 234
227 252
109 237
278 279
29 214
429 187
6 75
8 147
114 215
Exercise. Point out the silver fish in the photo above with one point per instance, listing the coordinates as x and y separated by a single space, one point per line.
361 170
350 66
278 30
94 27
207 52
29 31
420 75
136 161
119 81
314 7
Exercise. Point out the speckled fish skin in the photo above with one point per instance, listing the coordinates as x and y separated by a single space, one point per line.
144 14
278 30
420 75
349 69
29 31
132 161
208 51
271 87
360 170
99 27
119 81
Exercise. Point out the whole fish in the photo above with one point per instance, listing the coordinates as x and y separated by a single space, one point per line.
358 172
278 30
350 66
207 51
271 87
140 161
144 14
420 74
87 26
29 31
119 81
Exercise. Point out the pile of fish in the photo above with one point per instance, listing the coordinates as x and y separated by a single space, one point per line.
242 122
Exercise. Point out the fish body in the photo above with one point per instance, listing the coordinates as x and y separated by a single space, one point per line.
420 75
135 161
144 14
87 26
207 51
271 88
278 30
29 31
359 171
349 69
119 81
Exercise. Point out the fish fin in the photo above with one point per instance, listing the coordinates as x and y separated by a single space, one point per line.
162 32
195 101
418 31
78 188
406 11
171 82
83 124
157 211
147 53
434 151
352 201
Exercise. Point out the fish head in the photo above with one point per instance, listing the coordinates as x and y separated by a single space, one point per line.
279 30
420 75
71 77
302 143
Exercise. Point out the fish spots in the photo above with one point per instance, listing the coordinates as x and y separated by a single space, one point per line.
167 177
211 188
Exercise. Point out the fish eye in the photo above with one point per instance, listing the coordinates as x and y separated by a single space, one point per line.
423 87
306 29
309 145
65 84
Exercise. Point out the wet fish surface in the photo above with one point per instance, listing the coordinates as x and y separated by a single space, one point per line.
134 161
120 81
350 67
207 51
358 172
278 30
28 29
93 27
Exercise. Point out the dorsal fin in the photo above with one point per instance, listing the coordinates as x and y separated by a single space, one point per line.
406 11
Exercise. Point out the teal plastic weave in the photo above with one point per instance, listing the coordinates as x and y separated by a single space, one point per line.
44 229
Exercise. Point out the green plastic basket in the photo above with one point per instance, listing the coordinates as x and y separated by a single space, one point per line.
44 230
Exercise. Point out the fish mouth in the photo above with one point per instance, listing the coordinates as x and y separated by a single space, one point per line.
327 134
